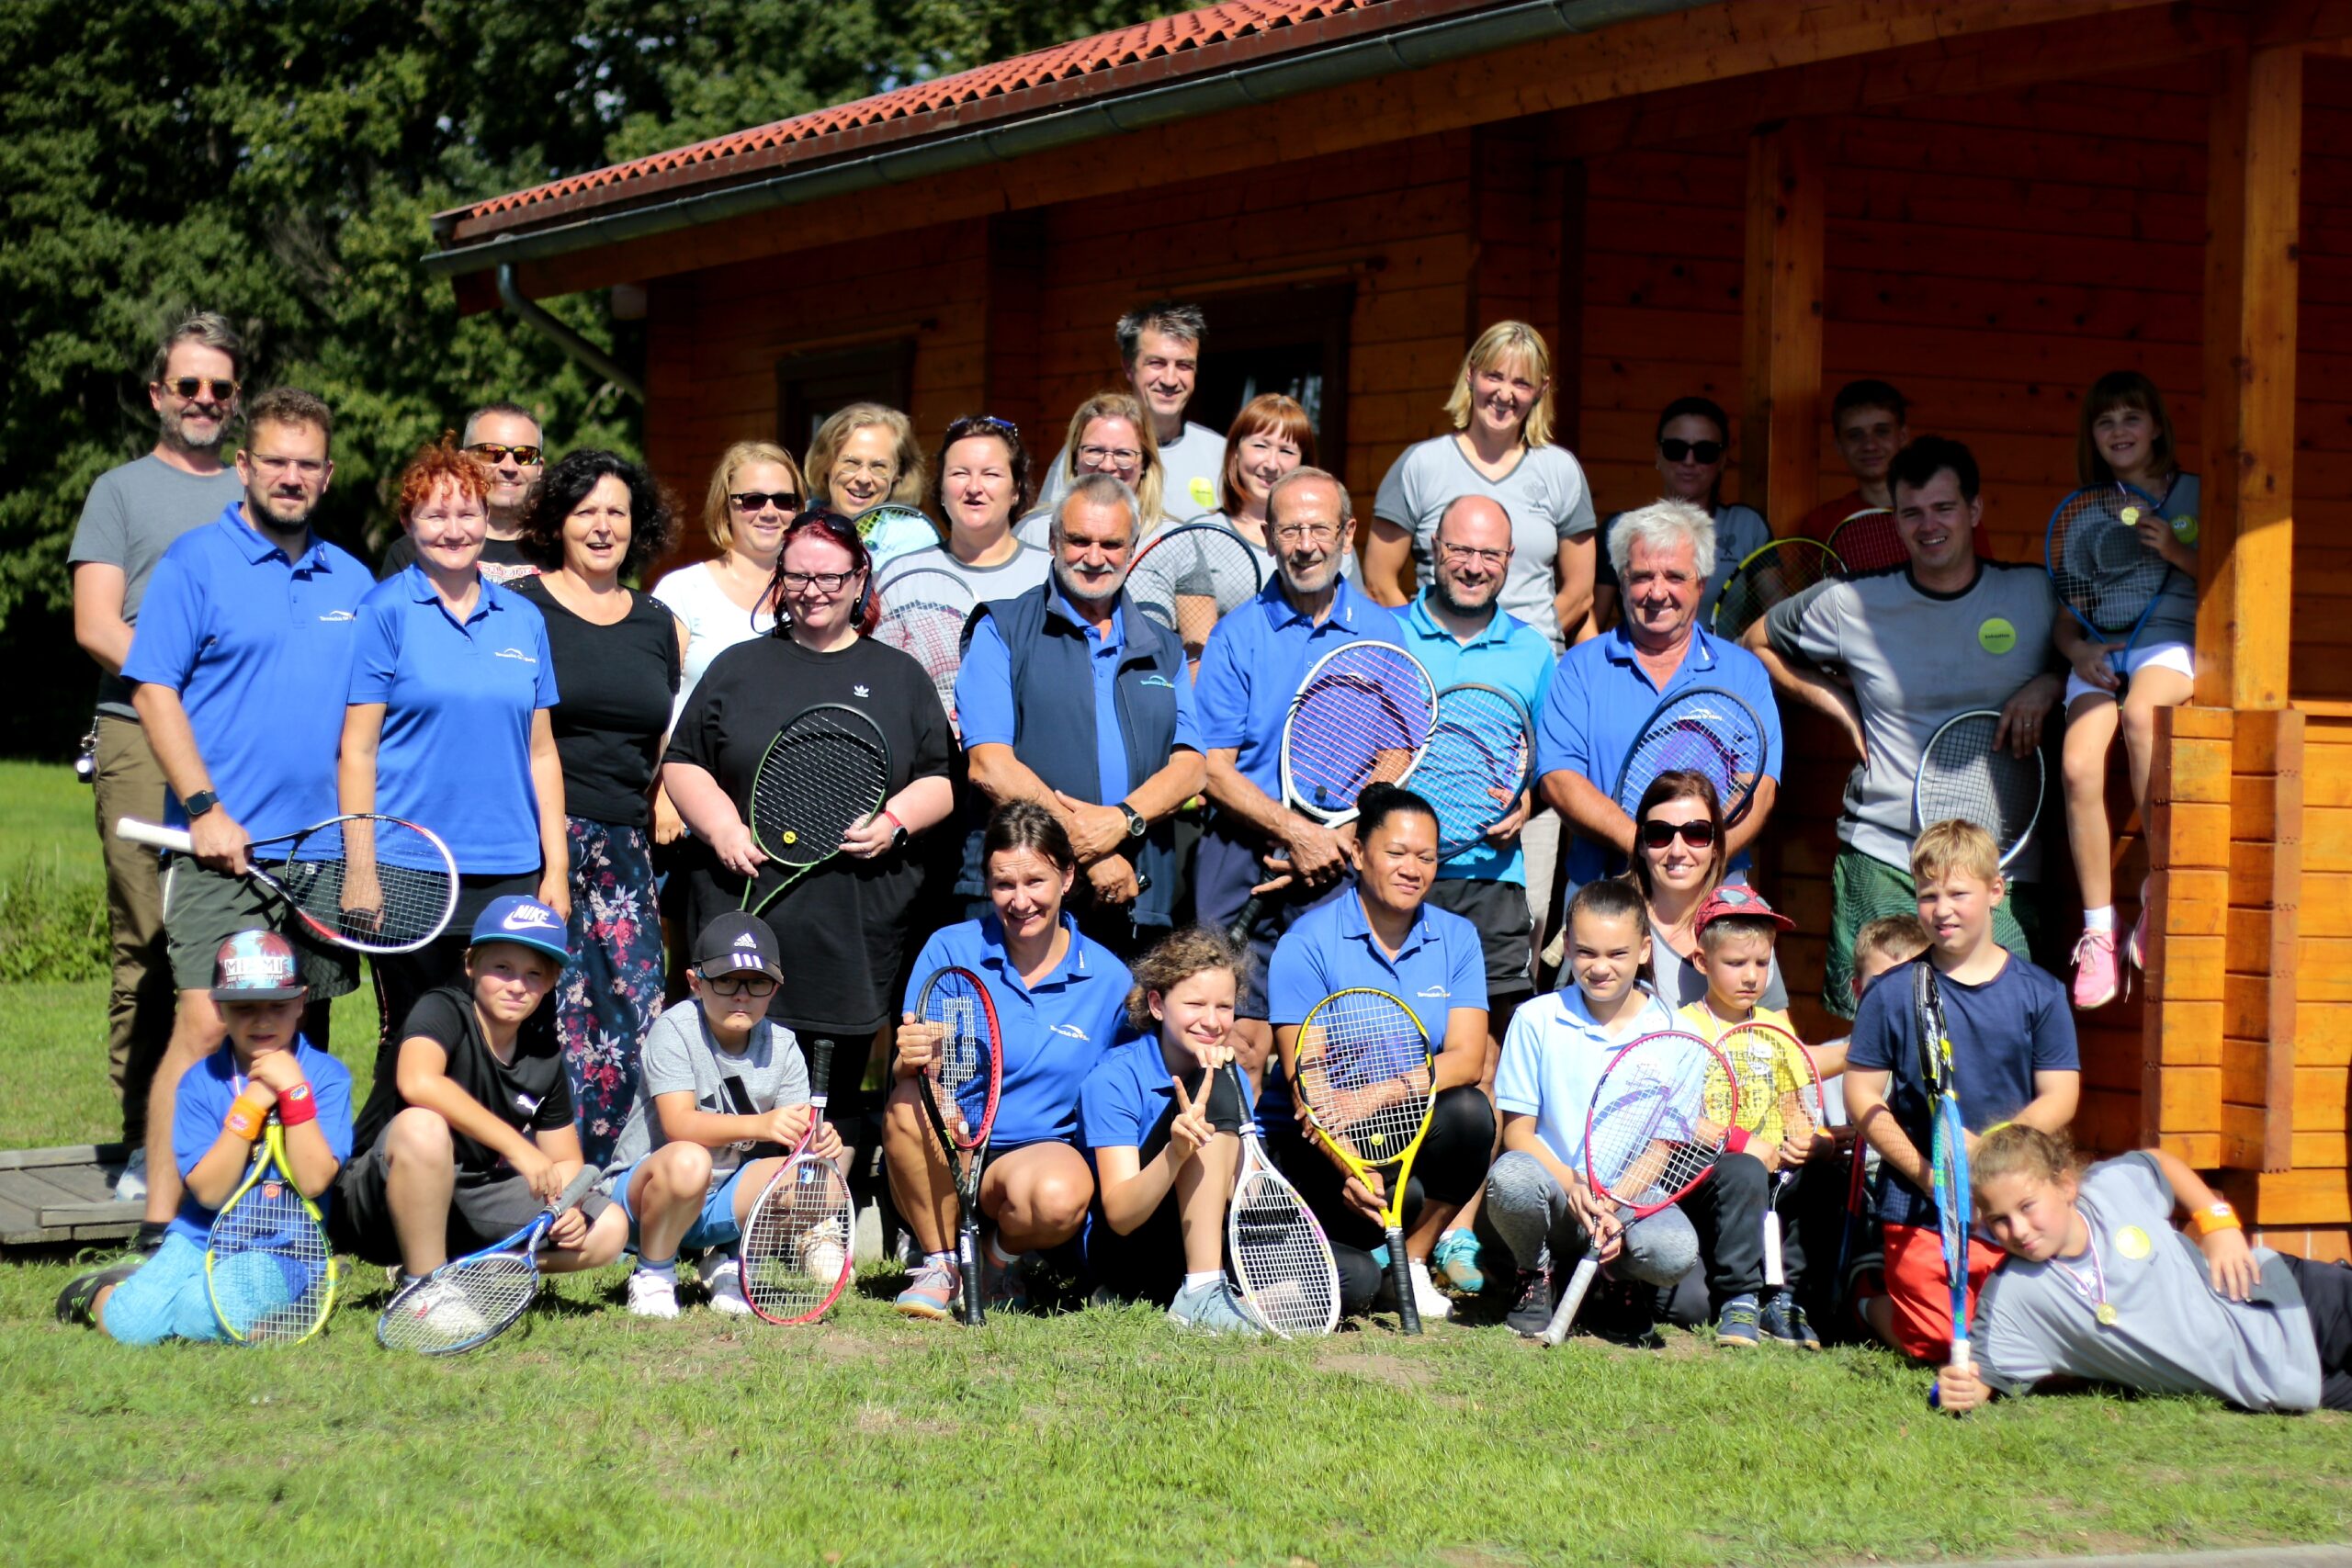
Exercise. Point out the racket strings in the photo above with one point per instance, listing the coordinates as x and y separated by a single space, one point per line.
465 1303
1659 1118
1868 542
1364 1071
1778 1096
1779 572
796 1244
1281 1256
931 634
1362 719
2097 563
1705 741
820 779
272 1271
961 1070
1963 776
1479 746
1188 579
391 889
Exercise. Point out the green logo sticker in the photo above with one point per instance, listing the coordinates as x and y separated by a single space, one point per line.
1204 493
1996 635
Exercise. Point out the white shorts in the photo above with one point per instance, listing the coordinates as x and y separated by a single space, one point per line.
2176 655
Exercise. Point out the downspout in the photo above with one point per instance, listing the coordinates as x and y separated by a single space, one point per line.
575 348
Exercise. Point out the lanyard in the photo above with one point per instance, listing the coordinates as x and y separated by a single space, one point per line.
2093 1292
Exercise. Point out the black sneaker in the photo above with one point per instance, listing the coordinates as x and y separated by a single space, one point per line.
150 1240
1625 1312
76 1302
1531 1309
1781 1320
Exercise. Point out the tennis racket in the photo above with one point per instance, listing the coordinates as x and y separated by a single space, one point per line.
267 1262
1961 775
1477 765
959 1095
924 612
1781 569
472 1300
1280 1253
1659 1116
1947 1160
891 530
1867 541
825 772
1189 578
1365 1082
2105 576
1701 729
1779 1103
367 883
794 1255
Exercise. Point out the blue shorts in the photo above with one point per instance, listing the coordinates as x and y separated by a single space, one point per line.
714 1226
167 1299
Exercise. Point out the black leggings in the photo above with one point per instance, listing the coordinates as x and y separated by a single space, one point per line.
2327 1297
1148 1263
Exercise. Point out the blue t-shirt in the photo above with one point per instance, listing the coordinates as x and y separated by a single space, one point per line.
258 648
1509 654
1051 1033
984 706
1598 697
209 1087
459 703
1254 663
1440 967
2018 1023
1127 1093
1552 1060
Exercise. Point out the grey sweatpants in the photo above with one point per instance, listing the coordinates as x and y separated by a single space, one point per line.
1529 1211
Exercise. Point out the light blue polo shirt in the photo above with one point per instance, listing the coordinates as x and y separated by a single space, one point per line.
1552 1060
259 649
458 701
1600 694
1255 661
1440 967
1052 1033
1128 1092
985 709
1509 654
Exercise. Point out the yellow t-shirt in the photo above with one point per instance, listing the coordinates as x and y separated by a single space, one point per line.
1776 1096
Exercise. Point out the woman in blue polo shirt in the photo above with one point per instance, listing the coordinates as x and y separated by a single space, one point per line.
1381 935
1059 998
447 726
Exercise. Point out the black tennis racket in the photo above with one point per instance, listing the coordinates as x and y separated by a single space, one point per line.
2106 576
827 771
1963 776
959 1099
1189 578
1868 541
367 883
1478 764
1701 729
1779 570
924 612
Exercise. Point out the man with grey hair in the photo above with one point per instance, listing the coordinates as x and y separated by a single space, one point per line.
132 515
1605 687
507 439
1070 697
1159 346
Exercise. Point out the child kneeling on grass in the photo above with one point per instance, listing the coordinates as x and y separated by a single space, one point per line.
266 1068
2098 1286
471 1135
720 1085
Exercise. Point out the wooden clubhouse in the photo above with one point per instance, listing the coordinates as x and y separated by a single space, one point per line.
1987 202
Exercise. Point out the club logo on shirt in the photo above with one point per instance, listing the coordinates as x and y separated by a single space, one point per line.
515 653
1430 991
1202 492
1161 681
1071 1030
1996 635
2132 1242
860 692
338 615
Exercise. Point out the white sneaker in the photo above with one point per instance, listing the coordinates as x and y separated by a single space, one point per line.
1431 1302
650 1295
725 1283
130 1187
443 1308
821 1253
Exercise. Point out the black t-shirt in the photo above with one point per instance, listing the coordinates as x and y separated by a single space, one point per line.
617 684
502 559
530 1093
843 927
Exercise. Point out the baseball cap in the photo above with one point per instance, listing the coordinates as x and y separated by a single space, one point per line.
526 922
1733 899
737 941
255 966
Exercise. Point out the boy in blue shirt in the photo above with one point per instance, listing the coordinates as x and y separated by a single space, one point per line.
265 1068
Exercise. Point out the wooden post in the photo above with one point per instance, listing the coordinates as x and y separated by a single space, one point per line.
1779 448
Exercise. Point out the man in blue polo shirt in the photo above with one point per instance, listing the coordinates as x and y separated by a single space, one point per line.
1604 688
238 668
1252 667
1092 718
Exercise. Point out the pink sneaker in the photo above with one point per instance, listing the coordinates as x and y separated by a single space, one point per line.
2138 947
2095 979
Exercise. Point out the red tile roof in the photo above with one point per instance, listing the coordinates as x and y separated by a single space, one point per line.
1187 43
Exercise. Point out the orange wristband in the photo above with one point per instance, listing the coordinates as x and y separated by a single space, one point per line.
2220 1217
244 1118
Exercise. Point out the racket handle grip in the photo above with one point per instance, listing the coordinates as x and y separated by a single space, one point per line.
968 1262
131 830
1566 1313
1774 1274
1400 1280
1239 931
588 1177
1960 1353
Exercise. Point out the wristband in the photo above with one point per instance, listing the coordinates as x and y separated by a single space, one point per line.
2220 1217
1735 1141
297 1106
244 1118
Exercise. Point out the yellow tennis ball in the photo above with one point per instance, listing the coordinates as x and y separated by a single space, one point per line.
2130 515
790 837
2184 529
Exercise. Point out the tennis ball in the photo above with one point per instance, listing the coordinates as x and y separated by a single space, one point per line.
1996 635
2184 529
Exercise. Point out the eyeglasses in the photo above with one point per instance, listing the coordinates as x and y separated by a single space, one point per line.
1674 449
1117 456
761 500
1699 833
1301 534
186 387
1485 558
822 581
741 985
492 453
882 469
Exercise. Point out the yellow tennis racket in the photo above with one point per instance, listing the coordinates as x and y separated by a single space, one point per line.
267 1262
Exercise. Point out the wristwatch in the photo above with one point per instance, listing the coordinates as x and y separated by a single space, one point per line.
898 834
200 802
1136 826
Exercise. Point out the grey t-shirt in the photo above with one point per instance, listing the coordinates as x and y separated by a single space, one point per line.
1917 659
1009 579
1544 494
679 1055
130 517
2174 618
2171 1334
1194 466
1740 532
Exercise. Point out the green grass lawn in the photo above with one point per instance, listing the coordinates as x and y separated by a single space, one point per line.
1100 1437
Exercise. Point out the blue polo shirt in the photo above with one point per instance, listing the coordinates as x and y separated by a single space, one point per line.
1552 1060
201 1104
984 705
1127 1094
1052 1032
1255 661
1509 654
459 702
1600 694
258 647
1442 966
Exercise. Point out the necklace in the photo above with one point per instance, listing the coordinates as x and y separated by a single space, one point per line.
2094 1289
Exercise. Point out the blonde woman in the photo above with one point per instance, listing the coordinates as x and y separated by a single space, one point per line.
866 454
1108 434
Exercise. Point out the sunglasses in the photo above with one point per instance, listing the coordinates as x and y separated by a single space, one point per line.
1674 449
1699 833
761 500
188 387
492 452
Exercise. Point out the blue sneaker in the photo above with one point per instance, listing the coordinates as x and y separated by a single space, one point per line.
1456 1257
1783 1320
1212 1310
1736 1326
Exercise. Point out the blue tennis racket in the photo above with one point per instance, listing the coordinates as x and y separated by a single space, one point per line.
1947 1158
1701 729
1477 765
472 1300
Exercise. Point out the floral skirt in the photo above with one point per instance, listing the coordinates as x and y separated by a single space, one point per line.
611 991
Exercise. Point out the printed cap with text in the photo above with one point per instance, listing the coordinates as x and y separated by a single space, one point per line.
526 922
737 941
255 966
1733 899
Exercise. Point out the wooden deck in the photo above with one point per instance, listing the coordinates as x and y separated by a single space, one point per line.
61 1197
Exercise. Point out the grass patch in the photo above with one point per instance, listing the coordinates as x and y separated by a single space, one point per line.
52 879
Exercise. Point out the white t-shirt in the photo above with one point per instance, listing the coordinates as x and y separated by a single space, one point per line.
713 622
1544 494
